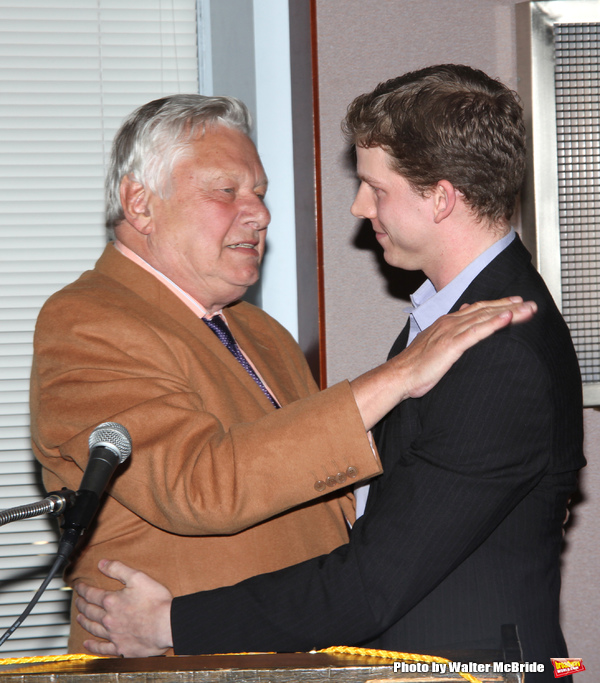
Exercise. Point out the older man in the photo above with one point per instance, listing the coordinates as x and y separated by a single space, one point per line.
463 531
227 425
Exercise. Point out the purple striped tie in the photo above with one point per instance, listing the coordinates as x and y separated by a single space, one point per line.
219 327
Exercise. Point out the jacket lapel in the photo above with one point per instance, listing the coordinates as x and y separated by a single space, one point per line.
395 433
114 265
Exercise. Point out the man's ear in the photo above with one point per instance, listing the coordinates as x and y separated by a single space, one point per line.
444 200
134 200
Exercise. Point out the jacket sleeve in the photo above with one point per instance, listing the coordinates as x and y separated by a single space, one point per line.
484 443
210 455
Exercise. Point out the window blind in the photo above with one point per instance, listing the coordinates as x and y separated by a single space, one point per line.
69 74
577 84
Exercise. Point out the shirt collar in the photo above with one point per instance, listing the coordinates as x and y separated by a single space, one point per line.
195 306
429 305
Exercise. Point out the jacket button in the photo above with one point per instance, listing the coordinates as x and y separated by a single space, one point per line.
331 481
320 485
341 477
352 472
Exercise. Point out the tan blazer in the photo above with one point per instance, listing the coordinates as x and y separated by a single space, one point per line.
211 459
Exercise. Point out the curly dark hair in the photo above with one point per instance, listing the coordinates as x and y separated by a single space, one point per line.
447 122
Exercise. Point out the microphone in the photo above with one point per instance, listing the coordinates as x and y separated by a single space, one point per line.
110 445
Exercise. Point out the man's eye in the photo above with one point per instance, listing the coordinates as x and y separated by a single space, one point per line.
228 190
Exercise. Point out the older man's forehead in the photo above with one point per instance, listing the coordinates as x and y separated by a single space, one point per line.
223 138
222 171
221 154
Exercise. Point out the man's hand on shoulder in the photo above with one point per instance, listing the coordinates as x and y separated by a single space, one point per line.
136 620
416 370
436 349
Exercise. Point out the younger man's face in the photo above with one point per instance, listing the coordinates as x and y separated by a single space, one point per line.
401 218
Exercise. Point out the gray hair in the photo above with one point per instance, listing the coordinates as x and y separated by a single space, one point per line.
156 134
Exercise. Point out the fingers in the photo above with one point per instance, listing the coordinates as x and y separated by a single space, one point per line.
117 570
484 318
98 647
92 611
90 618
524 312
455 332
91 625
480 322
499 303
511 309
479 330
89 593
501 316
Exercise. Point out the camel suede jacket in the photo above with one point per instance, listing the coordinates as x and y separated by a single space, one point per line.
220 486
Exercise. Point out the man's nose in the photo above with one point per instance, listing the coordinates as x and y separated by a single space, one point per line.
257 213
363 205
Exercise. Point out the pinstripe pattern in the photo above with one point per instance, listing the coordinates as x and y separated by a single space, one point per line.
462 532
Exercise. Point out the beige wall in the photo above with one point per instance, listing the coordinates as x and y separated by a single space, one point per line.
362 42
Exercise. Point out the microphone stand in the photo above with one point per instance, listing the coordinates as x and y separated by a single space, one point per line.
54 504
110 445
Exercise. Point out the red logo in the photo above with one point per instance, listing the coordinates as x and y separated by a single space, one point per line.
565 667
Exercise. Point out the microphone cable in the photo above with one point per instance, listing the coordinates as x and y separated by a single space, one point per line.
58 563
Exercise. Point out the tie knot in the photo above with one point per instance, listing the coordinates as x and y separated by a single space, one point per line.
219 327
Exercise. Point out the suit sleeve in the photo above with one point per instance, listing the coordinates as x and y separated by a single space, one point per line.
208 456
483 445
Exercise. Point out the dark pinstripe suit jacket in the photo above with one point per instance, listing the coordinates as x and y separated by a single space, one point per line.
462 532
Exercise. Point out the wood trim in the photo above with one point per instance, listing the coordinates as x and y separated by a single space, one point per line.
318 195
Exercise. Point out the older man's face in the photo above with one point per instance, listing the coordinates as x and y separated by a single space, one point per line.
208 236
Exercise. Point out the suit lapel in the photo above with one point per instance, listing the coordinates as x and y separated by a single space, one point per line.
251 329
114 265
401 341
395 433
